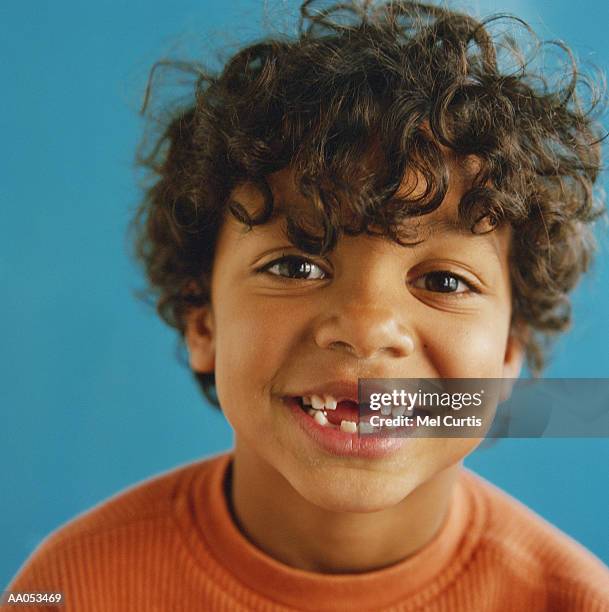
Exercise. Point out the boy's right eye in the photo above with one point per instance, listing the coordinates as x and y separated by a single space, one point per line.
294 267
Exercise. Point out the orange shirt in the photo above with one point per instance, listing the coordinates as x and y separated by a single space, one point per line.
169 544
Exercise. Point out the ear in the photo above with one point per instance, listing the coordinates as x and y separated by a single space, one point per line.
514 355
513 359
199 335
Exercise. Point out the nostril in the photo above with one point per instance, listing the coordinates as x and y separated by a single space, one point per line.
340 345
364 338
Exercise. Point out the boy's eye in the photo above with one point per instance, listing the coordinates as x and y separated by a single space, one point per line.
295 267
442 282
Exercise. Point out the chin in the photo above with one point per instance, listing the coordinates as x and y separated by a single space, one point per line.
358 492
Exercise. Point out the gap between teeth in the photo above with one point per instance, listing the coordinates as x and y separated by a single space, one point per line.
321 419
317 412
319 416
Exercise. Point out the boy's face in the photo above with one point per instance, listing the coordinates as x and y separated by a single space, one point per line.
370 309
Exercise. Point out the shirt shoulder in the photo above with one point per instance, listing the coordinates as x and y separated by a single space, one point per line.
127 538
146 501
531 551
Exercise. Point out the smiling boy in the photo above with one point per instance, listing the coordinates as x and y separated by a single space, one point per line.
293 327
373 199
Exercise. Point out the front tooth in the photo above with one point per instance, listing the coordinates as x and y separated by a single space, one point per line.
312 412
398 411
348 426
306 400
330 402
317 402
364 427
320 417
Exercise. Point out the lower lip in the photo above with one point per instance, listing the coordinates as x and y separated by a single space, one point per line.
339 442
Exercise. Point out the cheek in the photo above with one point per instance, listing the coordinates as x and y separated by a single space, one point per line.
254 339
472 348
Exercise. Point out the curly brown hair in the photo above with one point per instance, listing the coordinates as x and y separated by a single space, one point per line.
411 81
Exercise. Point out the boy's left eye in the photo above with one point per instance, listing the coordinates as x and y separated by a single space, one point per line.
294 267
443 281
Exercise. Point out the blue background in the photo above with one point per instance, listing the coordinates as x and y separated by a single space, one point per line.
92 395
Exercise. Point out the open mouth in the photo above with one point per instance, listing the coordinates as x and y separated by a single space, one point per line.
327 412
338 426
345 415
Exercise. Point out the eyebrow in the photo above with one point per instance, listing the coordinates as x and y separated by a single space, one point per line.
449 226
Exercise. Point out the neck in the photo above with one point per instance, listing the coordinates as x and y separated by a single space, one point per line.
287 527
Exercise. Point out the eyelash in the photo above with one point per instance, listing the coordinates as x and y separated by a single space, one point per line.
287 258
297 259
446 273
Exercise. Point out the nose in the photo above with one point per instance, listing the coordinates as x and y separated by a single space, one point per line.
365 330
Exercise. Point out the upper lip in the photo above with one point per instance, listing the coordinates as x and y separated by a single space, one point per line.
340 390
